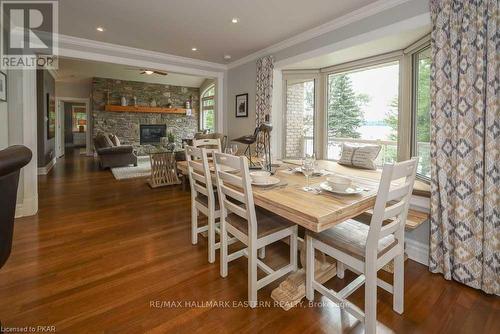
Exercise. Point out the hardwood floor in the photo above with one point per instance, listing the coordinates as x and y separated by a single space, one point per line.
108 256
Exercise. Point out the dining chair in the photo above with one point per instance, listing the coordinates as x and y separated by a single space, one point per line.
203 198
366 249
255 228
210 144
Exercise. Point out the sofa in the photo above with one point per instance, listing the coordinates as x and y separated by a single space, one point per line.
111 153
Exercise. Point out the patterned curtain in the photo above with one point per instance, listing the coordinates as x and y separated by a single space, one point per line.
263 96
465 142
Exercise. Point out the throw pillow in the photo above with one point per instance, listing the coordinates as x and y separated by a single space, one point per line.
114 139
359 156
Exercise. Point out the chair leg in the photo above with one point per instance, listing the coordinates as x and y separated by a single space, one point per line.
399 280
223 248
340 269
252 275
293 249
211 239
194 224
309 268
262 253
370 297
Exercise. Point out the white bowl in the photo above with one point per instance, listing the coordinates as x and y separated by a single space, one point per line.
260 176
339 182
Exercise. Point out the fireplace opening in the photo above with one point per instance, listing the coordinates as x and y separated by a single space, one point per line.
152 133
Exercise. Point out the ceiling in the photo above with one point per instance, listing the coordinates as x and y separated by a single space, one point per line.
397 41
72 70
176 26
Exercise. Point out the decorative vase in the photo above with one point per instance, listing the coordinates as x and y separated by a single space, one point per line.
124 101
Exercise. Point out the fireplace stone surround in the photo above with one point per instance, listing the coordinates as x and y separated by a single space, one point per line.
126 125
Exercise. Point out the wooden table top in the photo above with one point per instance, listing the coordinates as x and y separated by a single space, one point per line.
316 212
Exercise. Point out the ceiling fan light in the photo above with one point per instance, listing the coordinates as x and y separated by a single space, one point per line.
148 72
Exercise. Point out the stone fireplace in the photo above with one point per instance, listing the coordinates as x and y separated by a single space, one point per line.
152 133
128 126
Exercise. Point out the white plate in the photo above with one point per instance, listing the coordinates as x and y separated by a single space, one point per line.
224 168
269 181
316 172
353 190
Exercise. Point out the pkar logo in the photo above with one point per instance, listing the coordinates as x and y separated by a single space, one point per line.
29 37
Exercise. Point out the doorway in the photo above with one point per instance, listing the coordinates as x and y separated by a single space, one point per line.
72 120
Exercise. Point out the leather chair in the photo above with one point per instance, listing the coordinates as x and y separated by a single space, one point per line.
249 140
12 159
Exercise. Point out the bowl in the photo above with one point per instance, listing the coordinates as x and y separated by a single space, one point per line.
259 176
339 182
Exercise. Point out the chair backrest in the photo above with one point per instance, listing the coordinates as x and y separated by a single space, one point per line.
210 144
392 203
235 191
12 159
200 179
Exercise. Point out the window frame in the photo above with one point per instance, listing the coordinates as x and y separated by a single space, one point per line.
413 96
202 108
357 65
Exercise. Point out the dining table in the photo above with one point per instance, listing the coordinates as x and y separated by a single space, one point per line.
316 211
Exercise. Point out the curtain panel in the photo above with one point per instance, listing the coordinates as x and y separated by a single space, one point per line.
465 142
263 96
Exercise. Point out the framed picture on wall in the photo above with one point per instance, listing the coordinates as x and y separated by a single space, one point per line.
242 105
3 87
51 116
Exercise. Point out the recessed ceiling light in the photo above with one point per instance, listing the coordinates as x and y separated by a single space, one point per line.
235 20
101 29
194 49
227 57
148 72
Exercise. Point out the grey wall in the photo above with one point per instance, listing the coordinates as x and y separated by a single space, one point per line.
45 85
241 79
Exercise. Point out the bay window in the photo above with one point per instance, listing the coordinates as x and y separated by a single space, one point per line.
362 108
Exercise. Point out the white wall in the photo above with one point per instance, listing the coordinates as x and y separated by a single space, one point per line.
79 89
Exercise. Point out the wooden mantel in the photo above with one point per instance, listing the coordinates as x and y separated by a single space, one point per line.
142 109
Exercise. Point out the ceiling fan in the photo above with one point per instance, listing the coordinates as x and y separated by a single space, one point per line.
148 71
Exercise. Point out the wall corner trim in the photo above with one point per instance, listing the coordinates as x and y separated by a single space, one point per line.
46 169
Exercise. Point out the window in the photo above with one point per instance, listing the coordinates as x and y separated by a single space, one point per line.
207 112
362 108
421 111
299 120
79 119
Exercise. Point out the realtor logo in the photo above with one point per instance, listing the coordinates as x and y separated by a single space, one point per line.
29 34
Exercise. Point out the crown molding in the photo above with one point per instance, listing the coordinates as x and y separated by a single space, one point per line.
337 23
165 57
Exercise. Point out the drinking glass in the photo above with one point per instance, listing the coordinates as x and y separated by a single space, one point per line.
234 147
308 169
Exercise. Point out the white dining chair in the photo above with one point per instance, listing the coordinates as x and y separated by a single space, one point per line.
255 228
365 249
210 144
203 198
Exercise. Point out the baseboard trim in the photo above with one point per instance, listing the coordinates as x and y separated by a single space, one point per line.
46 169
417 251
28 207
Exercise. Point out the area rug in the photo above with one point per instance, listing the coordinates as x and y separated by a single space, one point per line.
143 169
